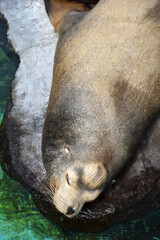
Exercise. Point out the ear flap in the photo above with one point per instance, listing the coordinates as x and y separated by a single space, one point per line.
94 176
57 9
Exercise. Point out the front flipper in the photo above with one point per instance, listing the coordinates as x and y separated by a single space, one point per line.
57 9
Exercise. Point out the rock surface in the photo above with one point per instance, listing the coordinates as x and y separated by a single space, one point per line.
136 190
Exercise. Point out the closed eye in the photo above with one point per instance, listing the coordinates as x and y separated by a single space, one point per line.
67 179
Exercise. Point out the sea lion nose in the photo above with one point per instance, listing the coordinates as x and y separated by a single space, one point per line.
70 211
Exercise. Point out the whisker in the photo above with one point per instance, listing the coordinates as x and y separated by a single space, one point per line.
52 194
87 214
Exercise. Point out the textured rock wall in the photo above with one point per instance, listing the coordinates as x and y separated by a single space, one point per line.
34 40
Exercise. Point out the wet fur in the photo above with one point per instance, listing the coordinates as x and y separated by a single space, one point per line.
106 86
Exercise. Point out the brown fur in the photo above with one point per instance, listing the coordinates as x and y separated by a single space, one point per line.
59 8
105 93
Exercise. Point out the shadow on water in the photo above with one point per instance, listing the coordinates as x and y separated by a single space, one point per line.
8 65
19 218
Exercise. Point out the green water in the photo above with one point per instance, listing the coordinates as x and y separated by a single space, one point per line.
19 218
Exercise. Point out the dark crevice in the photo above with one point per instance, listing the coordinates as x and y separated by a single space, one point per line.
5 44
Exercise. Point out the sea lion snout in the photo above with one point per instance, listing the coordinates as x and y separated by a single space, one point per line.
70 211
78 185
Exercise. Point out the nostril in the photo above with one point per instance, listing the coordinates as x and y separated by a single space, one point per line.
70 211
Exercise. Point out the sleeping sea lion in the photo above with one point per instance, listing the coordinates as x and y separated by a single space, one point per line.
105 93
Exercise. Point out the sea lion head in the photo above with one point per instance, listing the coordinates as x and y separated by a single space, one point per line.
79 183
74 155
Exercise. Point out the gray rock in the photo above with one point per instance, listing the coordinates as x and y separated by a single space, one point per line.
34 40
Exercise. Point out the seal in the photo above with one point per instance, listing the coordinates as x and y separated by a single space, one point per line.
105 93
